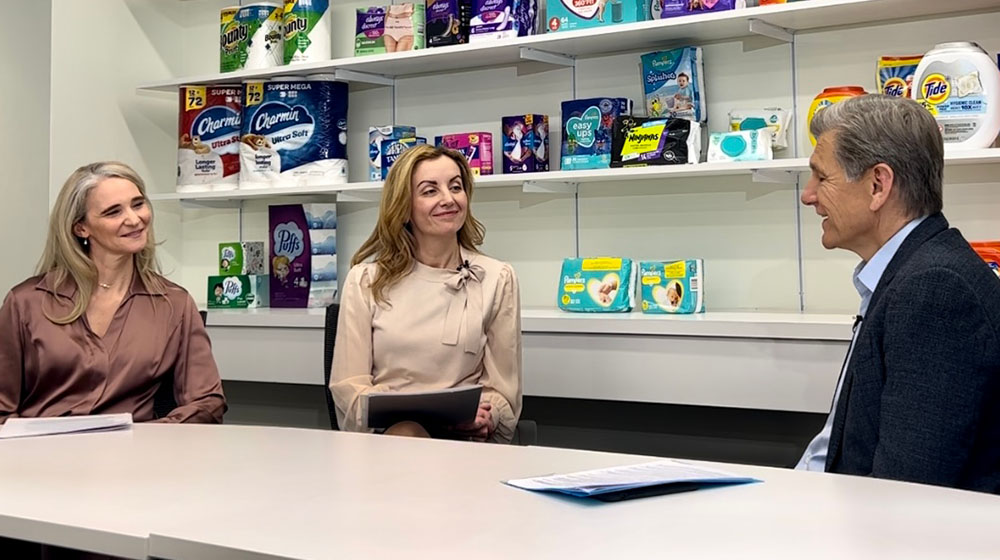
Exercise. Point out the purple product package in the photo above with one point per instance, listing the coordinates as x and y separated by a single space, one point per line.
674 8
502 19
525 143
448 22
291 254
476 146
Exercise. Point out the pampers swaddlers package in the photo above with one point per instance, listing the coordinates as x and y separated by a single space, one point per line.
587 126
294 133
303 254
566 15
672 286
674 85
598 285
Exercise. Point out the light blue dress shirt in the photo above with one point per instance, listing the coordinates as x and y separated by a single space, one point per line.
866 278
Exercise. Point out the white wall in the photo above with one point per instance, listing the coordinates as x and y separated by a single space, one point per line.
746 232
24 141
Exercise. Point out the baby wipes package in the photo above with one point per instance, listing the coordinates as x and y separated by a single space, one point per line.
672 286
894 75
674 85
597 285
743 145
238 291
642 141
773 118
587 127
245 257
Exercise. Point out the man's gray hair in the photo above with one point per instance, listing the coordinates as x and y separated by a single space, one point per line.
898 132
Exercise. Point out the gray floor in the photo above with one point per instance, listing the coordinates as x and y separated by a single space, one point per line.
707 433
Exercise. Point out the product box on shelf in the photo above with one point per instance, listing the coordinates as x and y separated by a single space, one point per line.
303 263
477 147
587 127
674 8
597 285
392 149
247 257
448 22
673 84
208 147
644 141
237 291
376 136
502 19
389 29
672 286
525 143
567 15
308 31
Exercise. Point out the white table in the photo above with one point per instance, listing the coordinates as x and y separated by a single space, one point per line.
211 492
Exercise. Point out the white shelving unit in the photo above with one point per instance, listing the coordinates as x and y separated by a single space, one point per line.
778 22
775 171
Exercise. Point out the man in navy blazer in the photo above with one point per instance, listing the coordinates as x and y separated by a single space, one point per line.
919 395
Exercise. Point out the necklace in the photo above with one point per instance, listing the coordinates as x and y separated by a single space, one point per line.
105 286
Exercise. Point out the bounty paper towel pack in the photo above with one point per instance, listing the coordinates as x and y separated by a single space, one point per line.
502 19
259 42
587 126
307 25
672 286
208 148
567 15
294 133
232 40
597 285
237 291
247 257
960 85
674 85
302 274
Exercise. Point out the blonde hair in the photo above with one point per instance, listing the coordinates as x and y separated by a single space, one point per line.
392 244
65 254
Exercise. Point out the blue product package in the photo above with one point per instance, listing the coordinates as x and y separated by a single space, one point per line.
674 8
323 241
392 148
673 83
376 136
672 286
502 19
525 143
587 126
294 133
597 285
567 15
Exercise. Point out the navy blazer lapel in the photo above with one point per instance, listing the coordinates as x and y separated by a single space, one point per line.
933 225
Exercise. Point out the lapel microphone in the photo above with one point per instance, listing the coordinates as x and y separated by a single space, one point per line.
465 264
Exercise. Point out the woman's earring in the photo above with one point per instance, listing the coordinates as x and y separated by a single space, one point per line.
84 241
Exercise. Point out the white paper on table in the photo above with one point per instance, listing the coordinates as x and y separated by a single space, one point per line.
666 471
31 427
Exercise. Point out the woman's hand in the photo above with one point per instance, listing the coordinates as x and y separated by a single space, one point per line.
482 427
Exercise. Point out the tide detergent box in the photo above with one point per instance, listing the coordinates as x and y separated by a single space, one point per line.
597 285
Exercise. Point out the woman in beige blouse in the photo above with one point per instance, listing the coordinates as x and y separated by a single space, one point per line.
429 312
99 330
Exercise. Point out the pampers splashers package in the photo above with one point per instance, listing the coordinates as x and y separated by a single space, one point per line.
587 127
672 286
294 134
597 285
567 15
674 84
642 141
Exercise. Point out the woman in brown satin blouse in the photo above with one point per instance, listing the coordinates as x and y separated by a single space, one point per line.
99 330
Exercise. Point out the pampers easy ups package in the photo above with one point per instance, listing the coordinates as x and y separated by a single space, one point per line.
672 286
238 291
642 141
587 126
597 285
301 271
673 83
567 15
242 258
294 133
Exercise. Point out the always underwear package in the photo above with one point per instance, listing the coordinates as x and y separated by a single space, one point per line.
597 285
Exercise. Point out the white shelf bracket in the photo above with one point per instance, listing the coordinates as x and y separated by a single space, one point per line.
363 77
536 55
759 27
550 187
359 196
774 176
216 203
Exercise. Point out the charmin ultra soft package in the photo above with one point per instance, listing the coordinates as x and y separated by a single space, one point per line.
208 148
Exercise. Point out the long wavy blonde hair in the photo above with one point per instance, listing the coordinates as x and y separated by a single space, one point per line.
68 258
392 244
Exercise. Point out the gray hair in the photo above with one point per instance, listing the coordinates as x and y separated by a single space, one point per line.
872 129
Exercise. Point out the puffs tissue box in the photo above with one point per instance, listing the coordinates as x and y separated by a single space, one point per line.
672 286
245 257
238 291
597 285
